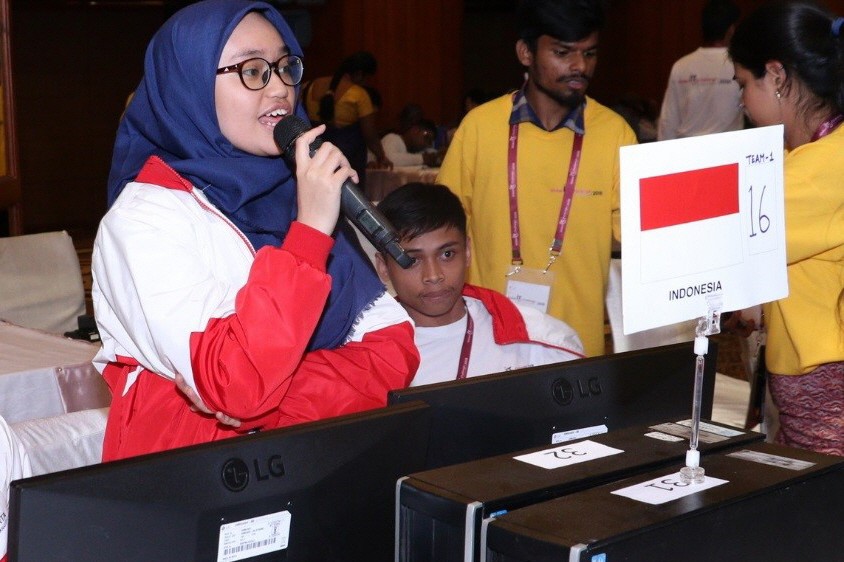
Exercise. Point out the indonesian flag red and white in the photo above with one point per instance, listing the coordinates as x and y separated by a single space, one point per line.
702 222
689 222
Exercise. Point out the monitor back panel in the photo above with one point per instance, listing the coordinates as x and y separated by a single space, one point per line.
495 414
440 510
312 492
770 503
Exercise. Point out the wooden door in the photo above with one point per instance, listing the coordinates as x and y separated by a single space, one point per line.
10 185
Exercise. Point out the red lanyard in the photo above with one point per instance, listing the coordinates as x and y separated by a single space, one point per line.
827 126
466 350
565 206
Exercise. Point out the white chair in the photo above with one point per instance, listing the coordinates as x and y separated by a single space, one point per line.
45 445
63 442
41 282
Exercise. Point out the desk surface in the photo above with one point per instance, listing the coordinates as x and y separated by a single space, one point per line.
25 349
44 374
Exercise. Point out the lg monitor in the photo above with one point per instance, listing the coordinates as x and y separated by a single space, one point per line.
314 492
500 413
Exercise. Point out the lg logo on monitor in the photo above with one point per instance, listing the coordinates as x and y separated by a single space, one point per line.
236 474
564 392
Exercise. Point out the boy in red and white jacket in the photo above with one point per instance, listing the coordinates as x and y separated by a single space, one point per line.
461 330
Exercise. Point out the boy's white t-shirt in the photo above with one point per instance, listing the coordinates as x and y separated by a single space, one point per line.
439 348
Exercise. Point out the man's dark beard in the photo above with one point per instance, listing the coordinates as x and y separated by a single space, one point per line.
570 101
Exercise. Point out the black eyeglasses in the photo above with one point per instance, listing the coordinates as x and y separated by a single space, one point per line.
255 73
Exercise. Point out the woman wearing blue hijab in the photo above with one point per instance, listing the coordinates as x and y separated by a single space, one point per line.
216 265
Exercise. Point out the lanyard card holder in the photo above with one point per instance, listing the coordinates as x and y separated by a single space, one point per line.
530 287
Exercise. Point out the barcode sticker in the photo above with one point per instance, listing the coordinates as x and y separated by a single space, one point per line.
582 433
252 537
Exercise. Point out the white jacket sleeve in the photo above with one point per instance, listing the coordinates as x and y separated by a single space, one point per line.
163 266
561 342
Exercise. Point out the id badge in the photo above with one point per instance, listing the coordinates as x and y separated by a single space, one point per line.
530 287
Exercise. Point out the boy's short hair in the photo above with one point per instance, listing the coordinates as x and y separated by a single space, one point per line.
564 20
716 18
418 208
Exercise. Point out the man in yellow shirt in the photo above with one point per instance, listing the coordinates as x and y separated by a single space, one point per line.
539 168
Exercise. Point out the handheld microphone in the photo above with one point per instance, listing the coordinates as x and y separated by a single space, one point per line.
369 220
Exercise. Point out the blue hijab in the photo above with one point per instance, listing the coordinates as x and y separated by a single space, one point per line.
173 116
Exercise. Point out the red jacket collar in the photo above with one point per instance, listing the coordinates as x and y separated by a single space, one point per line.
508 326
157 172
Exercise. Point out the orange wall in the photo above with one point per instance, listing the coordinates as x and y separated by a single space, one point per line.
416 42
642 40
75 63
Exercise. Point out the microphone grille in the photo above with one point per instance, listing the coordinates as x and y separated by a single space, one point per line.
288 130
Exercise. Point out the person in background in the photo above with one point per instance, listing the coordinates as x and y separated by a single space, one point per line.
561 149
461 330
375 96
702 97
343 103
217 268
787 58
412 145
473 98
411 114
640 113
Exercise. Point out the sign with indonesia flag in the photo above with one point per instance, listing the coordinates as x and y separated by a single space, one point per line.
701 217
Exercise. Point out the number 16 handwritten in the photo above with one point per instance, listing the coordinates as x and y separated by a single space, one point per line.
761 219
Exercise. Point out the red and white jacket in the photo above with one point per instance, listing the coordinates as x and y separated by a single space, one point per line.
506 336
179 289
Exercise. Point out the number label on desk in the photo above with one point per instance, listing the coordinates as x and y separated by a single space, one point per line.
569 454
666 488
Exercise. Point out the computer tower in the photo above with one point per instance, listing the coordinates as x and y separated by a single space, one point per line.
758 502
439 511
